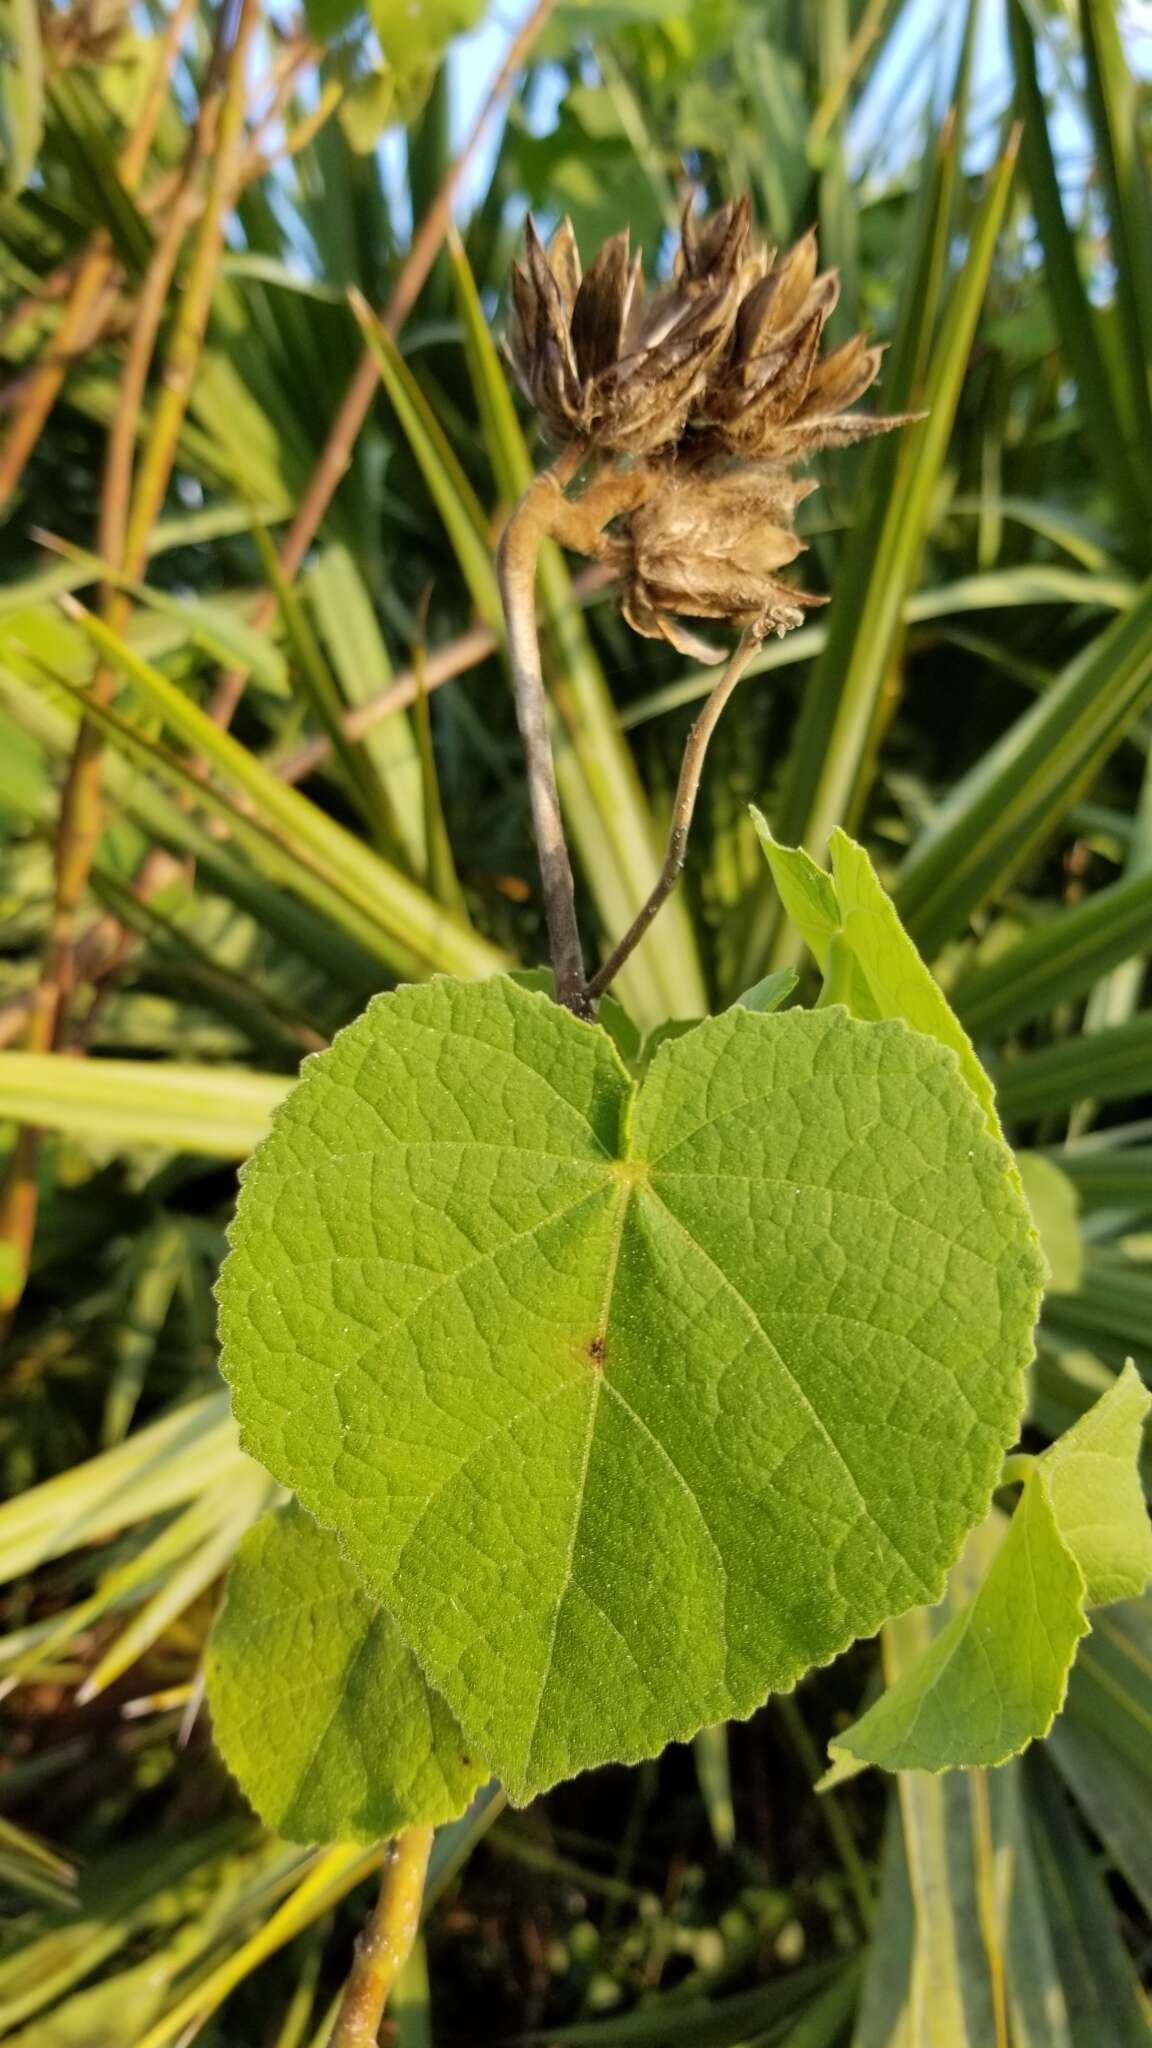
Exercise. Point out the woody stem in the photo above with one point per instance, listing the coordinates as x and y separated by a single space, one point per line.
687 790
530 525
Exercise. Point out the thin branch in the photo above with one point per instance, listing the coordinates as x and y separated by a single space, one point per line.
687 790
386 1943
530 525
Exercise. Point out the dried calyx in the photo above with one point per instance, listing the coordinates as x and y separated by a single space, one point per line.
691 404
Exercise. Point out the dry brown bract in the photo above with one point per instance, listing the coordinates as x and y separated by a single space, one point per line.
770 396
709 547
602 363
717 384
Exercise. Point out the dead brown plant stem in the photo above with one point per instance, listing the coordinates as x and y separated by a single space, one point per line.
77 321
116 495
531 524
387 1941
687 790
42 388
356 403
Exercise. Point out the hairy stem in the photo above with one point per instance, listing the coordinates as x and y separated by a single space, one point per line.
687 790
530 525
386 1943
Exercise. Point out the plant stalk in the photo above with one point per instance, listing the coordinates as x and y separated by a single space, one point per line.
386 1943
530 525
687 790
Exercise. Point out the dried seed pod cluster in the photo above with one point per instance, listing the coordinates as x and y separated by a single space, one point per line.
711 388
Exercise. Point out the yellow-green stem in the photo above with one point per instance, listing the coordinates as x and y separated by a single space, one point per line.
386 1943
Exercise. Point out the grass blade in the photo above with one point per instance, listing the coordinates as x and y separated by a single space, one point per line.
1074 316
344 613
235 1508
1059 960
409 925
21 95
222 1112
321 690
456 501
1112 107
262 891
1108 1065
860 666
1120 1179
1100 1985
153 1471
1013 798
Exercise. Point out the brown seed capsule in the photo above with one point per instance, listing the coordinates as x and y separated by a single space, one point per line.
600 363
715 386
709 547
770 397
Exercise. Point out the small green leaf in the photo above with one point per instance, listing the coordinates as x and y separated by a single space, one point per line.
995 1676
1093 1478
630 1404
366 109
769 993
319 1711
807 893
851 926
413 36
1056 1213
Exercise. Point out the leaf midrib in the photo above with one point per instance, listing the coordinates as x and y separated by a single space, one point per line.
599 1375
799 1389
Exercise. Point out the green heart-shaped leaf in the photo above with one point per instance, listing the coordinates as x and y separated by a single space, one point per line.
319 1710
630 1404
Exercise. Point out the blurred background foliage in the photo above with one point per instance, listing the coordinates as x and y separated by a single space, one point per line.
257 759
